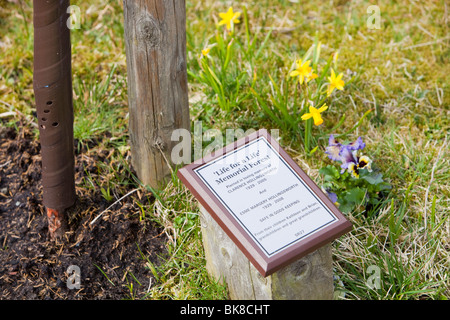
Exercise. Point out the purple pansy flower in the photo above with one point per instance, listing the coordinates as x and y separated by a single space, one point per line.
348 155
332 196
334 148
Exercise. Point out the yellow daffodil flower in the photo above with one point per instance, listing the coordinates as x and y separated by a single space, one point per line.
315 114
229 18
310 77
335 82
206 51
303 71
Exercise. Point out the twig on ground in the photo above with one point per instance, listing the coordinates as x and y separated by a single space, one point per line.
5 164
115 202
7 114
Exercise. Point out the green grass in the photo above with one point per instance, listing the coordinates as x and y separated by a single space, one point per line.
400 72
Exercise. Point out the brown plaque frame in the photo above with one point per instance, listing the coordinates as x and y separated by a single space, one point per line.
264 264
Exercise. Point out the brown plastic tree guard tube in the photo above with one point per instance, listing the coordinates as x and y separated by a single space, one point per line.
52 82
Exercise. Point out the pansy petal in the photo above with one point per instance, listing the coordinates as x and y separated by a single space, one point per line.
332 196
332 141
334 148
333 152
358 144
353 169
364 162
347 157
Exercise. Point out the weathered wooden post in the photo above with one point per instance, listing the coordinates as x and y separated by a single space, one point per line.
155 34
309 278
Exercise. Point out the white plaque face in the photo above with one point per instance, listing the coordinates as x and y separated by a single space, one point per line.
268 199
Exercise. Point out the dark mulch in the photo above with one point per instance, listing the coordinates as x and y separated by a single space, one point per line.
108 253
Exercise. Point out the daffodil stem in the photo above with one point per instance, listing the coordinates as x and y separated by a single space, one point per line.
335 127
308 125
247 29
357 125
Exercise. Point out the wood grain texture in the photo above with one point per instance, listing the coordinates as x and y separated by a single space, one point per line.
308 278
155 37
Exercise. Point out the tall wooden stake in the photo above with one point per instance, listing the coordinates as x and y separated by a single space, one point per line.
155 34
52 82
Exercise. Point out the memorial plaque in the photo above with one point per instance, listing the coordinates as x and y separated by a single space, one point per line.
265 203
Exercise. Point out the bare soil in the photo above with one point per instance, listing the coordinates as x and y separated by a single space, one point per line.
111 254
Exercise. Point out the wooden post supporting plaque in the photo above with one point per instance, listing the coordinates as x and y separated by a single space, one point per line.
266 225
309 278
